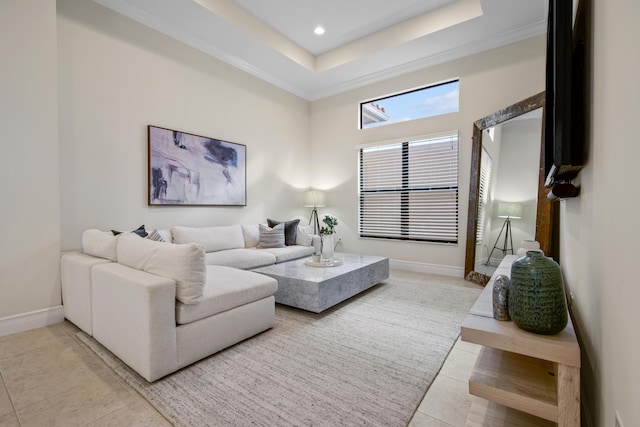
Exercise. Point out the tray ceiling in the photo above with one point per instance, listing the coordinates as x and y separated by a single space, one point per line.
365 40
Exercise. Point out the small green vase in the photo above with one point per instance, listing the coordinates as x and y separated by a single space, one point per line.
537 301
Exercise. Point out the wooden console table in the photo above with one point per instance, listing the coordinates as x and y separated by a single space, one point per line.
535 374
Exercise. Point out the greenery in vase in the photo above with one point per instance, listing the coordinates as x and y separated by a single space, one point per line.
330 223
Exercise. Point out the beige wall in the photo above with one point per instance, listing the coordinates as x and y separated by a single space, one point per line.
599 234
488 82
29 174
117 77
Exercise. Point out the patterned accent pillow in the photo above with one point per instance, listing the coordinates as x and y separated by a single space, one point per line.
140 231
290 229
155 236
271 237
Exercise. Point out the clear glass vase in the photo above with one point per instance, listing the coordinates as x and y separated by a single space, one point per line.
327 247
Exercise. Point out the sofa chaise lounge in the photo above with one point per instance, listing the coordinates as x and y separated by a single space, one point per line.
160 306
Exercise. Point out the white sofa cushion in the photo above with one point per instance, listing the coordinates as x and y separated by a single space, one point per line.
182 263
101 244
240 258
204 337
212 238
226 288
290 252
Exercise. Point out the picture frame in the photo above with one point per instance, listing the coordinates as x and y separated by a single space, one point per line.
191 170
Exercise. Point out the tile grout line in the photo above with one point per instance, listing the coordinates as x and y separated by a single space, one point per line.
442 374
438 374
13 406
112 372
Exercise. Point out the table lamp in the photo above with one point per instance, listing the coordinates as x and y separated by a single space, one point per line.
314 199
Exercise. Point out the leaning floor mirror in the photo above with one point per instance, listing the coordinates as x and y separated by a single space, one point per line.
507 198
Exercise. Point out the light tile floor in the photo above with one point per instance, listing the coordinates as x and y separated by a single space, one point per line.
447 402
47 378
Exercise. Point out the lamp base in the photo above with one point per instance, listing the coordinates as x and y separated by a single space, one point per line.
314 219
508 239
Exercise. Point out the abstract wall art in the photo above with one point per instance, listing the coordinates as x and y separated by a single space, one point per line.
187 169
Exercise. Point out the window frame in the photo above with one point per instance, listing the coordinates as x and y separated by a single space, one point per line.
361 105
406 190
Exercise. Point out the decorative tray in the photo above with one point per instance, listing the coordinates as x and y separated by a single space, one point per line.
325 263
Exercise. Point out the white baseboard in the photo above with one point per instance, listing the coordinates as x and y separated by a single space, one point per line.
26 321
481 261
421 267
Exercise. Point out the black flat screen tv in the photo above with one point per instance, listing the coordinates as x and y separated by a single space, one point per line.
564 103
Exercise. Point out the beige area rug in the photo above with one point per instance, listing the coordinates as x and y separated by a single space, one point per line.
368 362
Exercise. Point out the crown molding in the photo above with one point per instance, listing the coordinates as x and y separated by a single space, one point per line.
505 39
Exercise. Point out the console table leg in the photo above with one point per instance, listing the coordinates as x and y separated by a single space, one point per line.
568 384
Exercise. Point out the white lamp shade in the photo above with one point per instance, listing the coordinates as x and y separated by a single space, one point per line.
314 198
509 210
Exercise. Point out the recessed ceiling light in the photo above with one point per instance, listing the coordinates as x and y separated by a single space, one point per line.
319 30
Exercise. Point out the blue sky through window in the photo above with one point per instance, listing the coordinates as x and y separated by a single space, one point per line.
417 104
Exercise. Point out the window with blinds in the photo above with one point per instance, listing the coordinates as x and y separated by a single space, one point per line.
483 194
409 190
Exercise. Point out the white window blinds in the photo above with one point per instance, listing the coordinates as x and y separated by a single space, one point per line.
409 190
483 194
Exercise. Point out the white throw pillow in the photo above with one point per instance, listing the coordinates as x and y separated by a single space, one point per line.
183 263
251 234
102 244
212 238
305 235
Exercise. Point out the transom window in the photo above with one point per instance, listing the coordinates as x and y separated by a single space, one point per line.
434 100
409 190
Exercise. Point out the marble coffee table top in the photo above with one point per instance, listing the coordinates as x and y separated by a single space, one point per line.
297 269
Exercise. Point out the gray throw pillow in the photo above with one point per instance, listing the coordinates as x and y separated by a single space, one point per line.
271 237
290 230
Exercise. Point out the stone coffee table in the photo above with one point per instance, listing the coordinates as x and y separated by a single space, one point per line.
318 288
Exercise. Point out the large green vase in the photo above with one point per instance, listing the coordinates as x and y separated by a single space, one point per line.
537 301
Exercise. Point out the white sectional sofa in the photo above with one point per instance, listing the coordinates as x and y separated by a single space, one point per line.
161 306
239 245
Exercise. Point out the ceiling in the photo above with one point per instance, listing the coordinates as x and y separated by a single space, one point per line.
366 41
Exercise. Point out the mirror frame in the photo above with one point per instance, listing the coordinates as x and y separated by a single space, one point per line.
544 212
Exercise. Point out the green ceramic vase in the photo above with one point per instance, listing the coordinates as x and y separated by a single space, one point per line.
537 301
